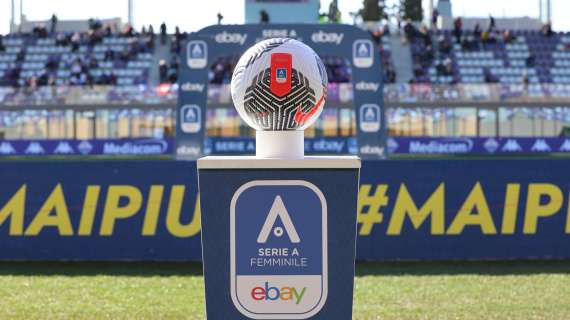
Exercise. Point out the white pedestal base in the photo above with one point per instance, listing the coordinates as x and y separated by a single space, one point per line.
280 144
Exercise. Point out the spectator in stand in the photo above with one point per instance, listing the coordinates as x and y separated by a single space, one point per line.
94 37
150 33
125 55
391 75
53 25
444 45
51 65
477 32
457 29
76 68
410 31
448 66
507 37
43 78
162 71
424 33
52 81
39 31
2 47
62 40
177 34
547 30
93 63
172 76
492 25
108 31
14 75
75 41
32 83
21 56
377 35
94 24
434 18
220 18
489 77
488 37
174 62
263 16
530 61
89 80
163 33
128 31
109 55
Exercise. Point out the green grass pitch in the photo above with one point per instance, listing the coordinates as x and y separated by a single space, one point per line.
403 290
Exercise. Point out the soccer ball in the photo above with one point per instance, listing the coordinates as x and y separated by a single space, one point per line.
279 84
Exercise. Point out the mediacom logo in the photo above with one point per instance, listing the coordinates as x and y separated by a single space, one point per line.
446 146
134 148
286 293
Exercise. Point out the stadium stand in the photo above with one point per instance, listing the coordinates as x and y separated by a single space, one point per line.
507 57
97 57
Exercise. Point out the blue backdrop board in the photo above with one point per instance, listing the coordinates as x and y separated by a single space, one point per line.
204 47
278 237
99 210
407 209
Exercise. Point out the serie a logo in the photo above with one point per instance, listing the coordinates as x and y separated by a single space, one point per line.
278 239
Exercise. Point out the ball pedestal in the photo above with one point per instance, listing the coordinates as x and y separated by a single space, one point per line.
278 233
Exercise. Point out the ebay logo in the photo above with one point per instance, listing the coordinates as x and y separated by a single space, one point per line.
267 293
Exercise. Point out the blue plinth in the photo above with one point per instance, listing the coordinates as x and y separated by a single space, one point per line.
278 237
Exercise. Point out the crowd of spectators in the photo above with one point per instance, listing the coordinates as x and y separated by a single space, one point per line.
387 65
168 70
81 62
439 54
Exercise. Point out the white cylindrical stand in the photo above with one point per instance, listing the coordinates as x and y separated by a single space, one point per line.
280 144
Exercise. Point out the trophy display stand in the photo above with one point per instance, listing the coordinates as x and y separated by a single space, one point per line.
279 228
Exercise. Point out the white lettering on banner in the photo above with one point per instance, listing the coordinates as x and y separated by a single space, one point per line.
278 33
226 37
139 147
234 146
188 151
327 37
448 146
192 87
367 86
376 150
328 146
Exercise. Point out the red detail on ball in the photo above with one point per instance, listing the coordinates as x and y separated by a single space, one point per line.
280 81
300 116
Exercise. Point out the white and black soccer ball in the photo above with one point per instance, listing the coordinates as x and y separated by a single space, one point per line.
279 84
